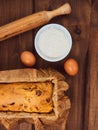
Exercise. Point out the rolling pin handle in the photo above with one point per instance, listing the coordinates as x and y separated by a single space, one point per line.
63 10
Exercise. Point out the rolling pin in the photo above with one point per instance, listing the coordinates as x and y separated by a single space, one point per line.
32 21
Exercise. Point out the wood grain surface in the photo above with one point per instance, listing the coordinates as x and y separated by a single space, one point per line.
91 104
83 26
10 49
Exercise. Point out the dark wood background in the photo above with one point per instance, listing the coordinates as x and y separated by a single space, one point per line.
83 26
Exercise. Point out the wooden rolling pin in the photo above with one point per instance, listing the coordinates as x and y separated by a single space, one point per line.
31 22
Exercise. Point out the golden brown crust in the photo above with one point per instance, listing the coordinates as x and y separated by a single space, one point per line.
61 102
26 97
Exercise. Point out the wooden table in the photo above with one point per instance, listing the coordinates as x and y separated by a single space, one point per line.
83 26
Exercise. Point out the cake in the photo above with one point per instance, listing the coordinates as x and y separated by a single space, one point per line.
26 97
37 96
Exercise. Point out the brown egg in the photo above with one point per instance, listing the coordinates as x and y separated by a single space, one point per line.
28 58
71 67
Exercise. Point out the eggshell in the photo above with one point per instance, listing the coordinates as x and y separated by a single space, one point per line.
28 58
71 67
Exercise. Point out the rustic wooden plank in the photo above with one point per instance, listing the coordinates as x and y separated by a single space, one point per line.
91 110
78 23
25 126
10 49
2 127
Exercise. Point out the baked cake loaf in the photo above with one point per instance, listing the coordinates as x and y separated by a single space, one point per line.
34 96
28 97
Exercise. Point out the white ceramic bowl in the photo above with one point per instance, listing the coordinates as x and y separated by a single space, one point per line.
68 47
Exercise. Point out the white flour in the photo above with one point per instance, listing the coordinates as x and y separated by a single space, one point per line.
53 42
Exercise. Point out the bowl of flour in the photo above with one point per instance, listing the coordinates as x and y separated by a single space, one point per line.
53 42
